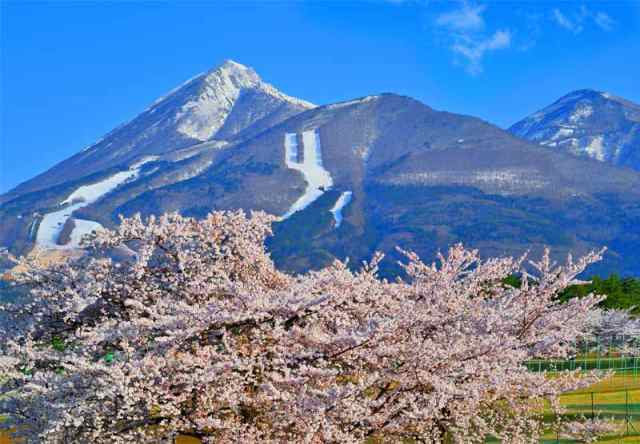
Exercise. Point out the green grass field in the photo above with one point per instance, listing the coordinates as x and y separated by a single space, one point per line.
617 397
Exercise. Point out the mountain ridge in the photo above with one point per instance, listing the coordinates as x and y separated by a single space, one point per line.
589 123
415 177
195 112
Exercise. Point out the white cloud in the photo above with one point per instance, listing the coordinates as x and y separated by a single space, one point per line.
464 19
464 31
577 21
565 22
604 21
474 50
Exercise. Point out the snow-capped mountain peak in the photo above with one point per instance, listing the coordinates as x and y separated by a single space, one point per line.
227 103
203 115
590 123
246 77
233 74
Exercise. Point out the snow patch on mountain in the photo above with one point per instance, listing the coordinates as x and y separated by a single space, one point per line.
88 194
505 180
341 203
582 111
51 226
202 117
561 133
309 163
52 223
81 229
352 102
571 141
146 159
595 148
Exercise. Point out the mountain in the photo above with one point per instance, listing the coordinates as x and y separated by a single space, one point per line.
588 123
213 107
346 179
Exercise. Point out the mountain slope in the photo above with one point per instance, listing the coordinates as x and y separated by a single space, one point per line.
215 106
588 123
370 174
423 179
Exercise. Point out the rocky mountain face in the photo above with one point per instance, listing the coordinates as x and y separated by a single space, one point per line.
346 179
587 123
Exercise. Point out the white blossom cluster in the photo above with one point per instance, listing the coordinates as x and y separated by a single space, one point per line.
588 430
614 322
193 331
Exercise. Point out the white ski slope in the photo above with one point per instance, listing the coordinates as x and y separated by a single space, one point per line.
81 228
52 223
318 179
341 203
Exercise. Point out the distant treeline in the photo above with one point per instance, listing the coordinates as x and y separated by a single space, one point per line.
622 293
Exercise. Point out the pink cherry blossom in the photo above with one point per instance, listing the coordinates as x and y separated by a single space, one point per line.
180 326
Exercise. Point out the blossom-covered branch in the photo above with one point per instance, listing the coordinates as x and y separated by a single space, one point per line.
181 326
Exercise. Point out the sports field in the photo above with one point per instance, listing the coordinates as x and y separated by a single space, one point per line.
617 397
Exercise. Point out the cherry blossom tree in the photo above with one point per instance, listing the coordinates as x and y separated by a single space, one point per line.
614 322
588 430
180 326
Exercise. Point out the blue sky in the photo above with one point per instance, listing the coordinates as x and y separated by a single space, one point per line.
73 71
